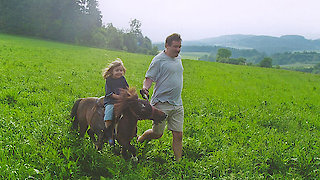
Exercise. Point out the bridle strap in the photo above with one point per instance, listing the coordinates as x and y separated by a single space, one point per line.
137 116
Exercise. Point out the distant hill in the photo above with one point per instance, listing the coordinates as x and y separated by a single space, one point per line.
266 44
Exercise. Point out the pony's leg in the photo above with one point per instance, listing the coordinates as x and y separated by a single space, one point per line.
83 129
124 153
91 135
132 151
135 135
75 123
97 142
100 141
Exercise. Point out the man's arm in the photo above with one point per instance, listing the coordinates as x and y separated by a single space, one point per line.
146 86
147 83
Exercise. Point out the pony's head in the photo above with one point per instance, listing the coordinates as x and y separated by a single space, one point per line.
140 109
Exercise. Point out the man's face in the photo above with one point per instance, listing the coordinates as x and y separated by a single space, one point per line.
173 50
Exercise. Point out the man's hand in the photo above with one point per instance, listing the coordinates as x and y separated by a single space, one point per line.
146 85
144 93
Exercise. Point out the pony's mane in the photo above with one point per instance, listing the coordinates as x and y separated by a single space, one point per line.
126 96
128 93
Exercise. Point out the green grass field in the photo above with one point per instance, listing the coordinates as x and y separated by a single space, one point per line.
240 122
193 55
299 65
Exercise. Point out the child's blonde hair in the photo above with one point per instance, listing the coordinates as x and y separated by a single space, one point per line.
108 71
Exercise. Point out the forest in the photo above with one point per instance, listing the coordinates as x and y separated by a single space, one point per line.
75 21
296 57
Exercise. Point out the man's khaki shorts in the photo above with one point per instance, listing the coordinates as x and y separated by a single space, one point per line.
175 118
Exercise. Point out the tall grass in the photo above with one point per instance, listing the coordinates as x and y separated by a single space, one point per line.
240 122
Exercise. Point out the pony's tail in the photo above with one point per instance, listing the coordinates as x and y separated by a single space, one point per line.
73 114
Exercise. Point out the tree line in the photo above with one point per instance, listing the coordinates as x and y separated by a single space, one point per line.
72 21
251 55
315 69
224 56
254 57
296 57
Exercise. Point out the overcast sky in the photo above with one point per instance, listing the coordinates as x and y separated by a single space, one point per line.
198 19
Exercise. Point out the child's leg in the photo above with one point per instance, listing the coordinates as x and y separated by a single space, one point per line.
108 115
108 131
107 123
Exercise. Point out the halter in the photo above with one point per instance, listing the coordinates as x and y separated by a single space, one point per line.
137 116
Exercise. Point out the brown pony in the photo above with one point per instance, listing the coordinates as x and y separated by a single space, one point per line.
90 112
127 111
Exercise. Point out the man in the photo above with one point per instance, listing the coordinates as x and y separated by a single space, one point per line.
167 72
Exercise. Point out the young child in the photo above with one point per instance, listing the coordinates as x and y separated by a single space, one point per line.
115 80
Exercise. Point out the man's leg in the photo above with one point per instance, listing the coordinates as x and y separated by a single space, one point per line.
148 134
155 133
177 144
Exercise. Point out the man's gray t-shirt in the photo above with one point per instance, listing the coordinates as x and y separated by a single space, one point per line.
167 72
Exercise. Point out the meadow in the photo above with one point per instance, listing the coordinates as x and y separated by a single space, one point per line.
241 122
193 55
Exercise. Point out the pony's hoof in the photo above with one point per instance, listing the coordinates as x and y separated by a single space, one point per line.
134 159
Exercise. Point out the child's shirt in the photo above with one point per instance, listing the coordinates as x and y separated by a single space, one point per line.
113 86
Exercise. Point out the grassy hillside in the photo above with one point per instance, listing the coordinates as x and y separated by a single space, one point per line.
240 122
